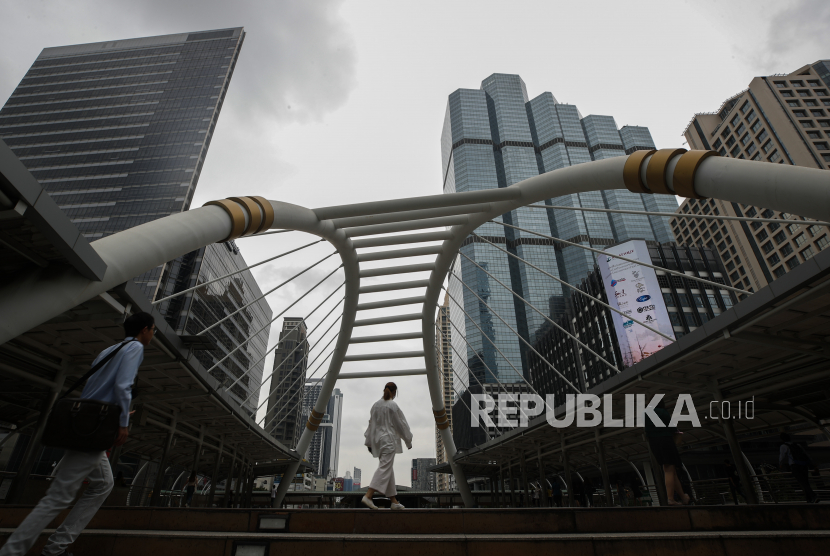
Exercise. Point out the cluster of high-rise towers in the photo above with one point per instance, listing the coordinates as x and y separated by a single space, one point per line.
117 133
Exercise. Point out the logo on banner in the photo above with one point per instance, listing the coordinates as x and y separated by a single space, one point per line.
645 308
643 298
635 274
649 319
615 282
641 288
620 293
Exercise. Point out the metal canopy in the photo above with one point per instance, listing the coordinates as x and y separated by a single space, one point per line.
34 230
172 388
773 346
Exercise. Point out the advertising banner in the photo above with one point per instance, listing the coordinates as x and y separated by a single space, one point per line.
633 289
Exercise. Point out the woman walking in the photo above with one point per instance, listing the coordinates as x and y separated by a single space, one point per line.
387 426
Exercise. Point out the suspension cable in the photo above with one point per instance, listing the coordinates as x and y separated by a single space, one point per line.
299 377
549 364
529 304
586 294
289 332
568 382
268 324
463 337
684 215
265 234
674 272
460 397
300 343
234 273
272 290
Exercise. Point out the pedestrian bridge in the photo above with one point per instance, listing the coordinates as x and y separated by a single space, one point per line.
412 228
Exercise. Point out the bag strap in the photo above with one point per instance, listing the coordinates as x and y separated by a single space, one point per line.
95 368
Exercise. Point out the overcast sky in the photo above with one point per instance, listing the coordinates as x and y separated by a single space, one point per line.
338 102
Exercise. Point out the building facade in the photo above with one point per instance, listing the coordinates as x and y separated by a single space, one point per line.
494 137
421 478
286 395
443 337
778 119
117 132
356 478
324 450
233 310
689 304
465 435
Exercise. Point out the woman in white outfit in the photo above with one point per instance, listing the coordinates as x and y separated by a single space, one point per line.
387 426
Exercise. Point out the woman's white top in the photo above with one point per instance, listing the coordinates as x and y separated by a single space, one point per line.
387 426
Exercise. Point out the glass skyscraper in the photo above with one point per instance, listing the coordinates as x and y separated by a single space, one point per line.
494 137
117 132
324 451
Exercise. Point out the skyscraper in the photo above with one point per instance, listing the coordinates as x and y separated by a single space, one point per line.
117 132
284 420
779 119
494 137
232 310
357 474
324 450
443 337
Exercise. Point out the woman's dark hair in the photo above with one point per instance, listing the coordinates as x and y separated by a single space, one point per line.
138 322
192 476
785 437
393 388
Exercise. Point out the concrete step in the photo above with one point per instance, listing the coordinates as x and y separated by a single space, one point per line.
796 517
114 542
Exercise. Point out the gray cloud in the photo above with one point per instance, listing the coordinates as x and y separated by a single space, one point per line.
297 62
802 21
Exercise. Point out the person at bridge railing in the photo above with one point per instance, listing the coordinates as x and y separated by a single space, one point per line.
793 458
387 427
663 443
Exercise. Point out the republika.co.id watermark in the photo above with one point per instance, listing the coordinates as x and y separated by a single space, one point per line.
589 410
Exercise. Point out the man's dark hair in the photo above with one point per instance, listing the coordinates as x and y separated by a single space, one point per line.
138 322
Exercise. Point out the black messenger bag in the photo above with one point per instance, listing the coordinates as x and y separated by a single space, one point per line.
83 425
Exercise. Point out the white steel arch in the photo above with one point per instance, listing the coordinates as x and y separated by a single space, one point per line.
39 295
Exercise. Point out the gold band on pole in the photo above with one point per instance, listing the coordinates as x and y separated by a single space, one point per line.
237 217
631 171
656 170
684 173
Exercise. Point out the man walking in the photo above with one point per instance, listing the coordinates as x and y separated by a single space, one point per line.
112 383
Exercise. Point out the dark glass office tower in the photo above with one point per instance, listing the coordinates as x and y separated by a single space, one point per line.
117 132
496 136
233 309
285 410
